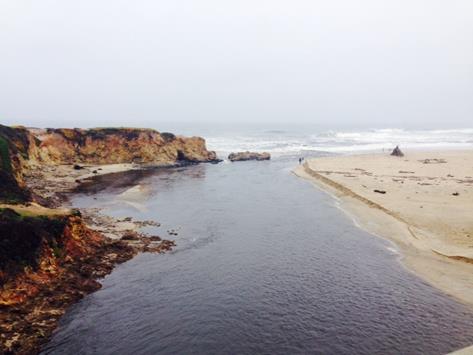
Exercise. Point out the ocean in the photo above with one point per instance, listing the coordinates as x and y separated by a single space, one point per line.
312 142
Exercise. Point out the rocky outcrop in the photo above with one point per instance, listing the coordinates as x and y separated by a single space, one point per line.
47 262
17 149
49 258
120 145
397 152
243 156
24 151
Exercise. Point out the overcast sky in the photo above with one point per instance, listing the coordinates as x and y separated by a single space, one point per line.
150 62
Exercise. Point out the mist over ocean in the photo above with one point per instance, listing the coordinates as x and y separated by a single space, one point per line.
287 141
262 261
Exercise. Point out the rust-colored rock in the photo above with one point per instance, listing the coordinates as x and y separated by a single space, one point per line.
21 150
120 145
46 264
130 235
49 261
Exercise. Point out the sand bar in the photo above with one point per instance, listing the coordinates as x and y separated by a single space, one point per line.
423 202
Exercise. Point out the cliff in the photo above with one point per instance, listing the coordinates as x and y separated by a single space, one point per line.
17 145
120 145
49 259
24 152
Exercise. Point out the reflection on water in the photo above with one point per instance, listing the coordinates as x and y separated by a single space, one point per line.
265 264
122 181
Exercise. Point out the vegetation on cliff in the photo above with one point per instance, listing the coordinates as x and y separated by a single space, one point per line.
23 238
48 262
14 152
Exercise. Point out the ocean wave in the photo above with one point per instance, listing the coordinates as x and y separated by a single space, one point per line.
281 143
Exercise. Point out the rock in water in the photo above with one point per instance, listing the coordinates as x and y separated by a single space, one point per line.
130 235
243 156
397 152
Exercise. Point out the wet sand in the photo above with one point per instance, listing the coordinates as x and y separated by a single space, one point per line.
423 203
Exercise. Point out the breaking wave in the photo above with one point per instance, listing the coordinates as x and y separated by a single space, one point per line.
281 143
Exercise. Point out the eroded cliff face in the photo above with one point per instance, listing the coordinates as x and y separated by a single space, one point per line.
23 150
120 145
47 262
49 258
18 148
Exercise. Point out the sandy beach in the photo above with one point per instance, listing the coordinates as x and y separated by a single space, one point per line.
423 202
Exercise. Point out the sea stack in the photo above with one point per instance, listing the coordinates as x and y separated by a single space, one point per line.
243 156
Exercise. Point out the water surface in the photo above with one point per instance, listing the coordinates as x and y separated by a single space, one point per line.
265 264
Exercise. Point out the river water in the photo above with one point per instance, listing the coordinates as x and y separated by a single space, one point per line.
265 264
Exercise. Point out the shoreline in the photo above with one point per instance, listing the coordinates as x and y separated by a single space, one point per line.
444 264
52 182
28 319
52 255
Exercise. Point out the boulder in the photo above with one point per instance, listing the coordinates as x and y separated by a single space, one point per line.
130 235
243 156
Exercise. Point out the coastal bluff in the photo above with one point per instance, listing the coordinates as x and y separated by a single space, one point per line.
24 151
18 149
51 257
120 145
49 260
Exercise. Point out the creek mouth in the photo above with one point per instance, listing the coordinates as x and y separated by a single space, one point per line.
264 264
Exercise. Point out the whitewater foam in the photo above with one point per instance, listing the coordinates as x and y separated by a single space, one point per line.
281 143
